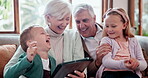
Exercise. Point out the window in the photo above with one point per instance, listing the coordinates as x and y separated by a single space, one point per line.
6 16
144 15
29 12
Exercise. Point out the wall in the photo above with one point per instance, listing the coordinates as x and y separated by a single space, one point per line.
121 3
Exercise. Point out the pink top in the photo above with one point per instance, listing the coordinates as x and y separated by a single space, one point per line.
122 54
135 52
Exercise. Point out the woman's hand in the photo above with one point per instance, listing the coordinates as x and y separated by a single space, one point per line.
78 75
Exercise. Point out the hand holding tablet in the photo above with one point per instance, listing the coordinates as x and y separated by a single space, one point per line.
62 70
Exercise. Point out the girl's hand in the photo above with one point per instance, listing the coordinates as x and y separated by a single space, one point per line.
132 63
31 50
78 75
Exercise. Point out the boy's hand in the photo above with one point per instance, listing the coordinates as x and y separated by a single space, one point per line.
132 63
31 50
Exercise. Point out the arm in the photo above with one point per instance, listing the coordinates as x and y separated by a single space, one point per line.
78 54
78 48
18 69
107 60
92 69
139 56
137 61
14 59
101 51
77 51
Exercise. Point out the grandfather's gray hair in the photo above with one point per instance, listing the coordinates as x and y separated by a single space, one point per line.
83 7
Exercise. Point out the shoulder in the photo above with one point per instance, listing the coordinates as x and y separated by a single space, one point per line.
51 58
46 28
133 40
22 55
107 40
71 33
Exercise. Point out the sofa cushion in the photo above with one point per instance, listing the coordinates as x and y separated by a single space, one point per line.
6 52
9 39
145 72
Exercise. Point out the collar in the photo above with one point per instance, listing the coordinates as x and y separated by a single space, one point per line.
99 29
52 33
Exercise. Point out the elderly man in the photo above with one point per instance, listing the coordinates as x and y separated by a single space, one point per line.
91 34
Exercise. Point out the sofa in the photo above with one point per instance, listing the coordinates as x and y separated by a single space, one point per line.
8 46
10 42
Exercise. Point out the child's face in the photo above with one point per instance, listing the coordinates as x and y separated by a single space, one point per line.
42 38
114 26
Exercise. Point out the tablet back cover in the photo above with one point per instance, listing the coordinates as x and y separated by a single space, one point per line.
62 70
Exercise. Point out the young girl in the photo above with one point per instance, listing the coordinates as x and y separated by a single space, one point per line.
126 58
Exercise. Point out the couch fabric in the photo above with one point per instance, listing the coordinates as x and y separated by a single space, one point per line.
6 52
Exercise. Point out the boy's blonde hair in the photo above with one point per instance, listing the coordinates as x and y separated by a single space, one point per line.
124 18
25 36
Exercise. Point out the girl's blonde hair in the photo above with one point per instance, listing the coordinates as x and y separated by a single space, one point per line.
124 18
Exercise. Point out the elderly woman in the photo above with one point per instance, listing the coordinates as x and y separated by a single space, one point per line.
65 44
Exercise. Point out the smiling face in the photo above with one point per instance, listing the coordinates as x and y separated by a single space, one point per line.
114 26
85 24
42 38
59 25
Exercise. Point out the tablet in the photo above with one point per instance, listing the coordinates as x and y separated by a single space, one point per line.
63 69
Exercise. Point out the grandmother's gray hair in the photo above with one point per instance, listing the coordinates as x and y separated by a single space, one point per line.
83 7
57 9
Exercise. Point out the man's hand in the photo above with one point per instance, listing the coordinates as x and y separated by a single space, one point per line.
132 63
79 75
101 51
31 50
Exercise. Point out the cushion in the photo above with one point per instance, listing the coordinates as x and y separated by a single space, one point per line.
145 72
6 52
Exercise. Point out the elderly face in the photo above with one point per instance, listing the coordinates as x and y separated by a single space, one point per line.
59 25
85 24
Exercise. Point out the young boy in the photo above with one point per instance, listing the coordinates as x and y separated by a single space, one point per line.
35 62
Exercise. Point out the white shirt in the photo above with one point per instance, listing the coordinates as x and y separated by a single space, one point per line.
45 63
93 42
